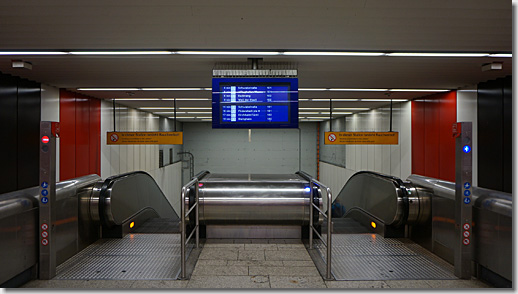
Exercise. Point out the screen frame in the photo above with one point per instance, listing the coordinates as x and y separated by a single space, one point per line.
293 105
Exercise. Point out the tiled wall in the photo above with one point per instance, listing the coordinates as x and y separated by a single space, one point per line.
339 162
118 159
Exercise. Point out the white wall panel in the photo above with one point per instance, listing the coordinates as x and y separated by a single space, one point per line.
467 111
50 112
387 159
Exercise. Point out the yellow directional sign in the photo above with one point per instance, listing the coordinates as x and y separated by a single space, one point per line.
361 138
144 138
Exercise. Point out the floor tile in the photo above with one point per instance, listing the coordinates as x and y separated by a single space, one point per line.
251 255
283 271
408 284
218 253
243 282
108 284
298 263
255 262
356 284
55 284
290 246
165 284
203 262
217 270
224 245
449 284
261 246
296 282
287 255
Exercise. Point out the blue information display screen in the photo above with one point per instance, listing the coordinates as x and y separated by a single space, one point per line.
254 103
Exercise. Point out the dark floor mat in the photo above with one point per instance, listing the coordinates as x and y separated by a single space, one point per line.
159 226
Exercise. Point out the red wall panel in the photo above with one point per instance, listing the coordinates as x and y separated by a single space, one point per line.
433 147
448 115
80 145
82 135
418 137
67 140
95 137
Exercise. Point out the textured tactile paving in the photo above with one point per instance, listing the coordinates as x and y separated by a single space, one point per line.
134 257
370 257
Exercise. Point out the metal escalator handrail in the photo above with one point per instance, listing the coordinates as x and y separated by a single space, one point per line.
312 229
183 224
105 191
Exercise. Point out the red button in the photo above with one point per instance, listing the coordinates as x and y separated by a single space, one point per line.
45 139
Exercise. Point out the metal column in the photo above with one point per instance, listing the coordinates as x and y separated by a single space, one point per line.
47 215
463 199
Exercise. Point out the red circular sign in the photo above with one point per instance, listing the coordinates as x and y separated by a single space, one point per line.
114 137
465 241
44 227
44 234
331 137
466 226
466 234
44 242
45 139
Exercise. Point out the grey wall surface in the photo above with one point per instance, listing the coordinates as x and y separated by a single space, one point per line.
272 151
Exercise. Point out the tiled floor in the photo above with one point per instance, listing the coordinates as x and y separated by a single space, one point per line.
255 264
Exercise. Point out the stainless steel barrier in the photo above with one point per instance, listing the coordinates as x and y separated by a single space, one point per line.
327 243
186 189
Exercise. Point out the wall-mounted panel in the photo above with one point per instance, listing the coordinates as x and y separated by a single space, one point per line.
494 112
67 118
8 117
29 114
433 147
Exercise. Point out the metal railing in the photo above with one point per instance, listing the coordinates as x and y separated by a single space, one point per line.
327 243
186 190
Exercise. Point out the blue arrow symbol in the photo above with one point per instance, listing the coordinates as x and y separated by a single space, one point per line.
466 149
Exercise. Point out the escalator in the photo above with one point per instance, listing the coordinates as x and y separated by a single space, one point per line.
387 228
101 228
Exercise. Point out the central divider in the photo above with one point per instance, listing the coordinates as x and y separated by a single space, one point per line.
281 211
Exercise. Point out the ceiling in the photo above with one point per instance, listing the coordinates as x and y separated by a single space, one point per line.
280 25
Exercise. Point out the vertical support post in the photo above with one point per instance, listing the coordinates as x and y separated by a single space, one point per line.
47 196
174 114
197 188
114 129
463 196
390 115
330 114
329 232
311 215
182 233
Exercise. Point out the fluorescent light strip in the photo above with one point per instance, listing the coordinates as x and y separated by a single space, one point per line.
505 55
108 89
309 53
227 52
433 54
156 108
176 89
195 108
327 100
136 99
120 52
33 53
186 99
351 108
383 100
418 90
288 53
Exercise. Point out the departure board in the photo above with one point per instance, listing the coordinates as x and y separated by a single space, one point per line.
254 103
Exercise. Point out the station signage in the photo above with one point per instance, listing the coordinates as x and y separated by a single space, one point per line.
361 138
144 138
